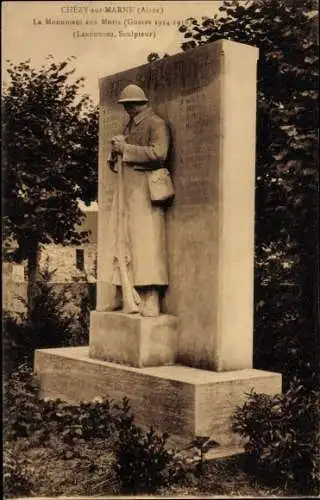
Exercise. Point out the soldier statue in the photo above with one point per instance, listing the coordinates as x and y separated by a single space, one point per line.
136 231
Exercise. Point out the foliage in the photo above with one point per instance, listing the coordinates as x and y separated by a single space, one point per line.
54 321
70 436
44 326
285 31
142 459
26 415
80 335
87 473
153 56
21 405
16 476
283 436
91 473
73 449
50 143
14 342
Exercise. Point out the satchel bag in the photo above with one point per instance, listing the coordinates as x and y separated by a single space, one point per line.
160 185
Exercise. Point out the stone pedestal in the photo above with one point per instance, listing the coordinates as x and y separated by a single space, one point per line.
132 339
185 402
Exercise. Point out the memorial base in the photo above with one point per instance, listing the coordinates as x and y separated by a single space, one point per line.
132 339
184 402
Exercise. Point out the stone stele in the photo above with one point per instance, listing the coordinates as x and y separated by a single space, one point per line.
186 371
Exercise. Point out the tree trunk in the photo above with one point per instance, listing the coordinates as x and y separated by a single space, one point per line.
33 275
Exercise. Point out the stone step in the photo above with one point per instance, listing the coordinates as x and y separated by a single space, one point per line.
185 402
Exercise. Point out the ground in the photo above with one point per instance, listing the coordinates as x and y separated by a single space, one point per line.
86 469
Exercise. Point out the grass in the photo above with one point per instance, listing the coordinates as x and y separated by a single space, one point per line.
87 469
56 470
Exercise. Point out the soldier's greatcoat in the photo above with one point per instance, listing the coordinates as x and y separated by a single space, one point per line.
146 149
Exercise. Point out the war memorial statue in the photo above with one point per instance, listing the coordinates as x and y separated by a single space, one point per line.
136 255
186 361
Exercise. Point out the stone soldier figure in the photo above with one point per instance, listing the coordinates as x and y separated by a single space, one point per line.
136 231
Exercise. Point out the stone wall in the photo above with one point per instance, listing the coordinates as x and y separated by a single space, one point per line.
12 288
62 260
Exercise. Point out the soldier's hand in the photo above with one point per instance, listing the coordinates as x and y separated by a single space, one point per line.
118 143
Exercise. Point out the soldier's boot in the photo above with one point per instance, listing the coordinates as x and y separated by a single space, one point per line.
150 303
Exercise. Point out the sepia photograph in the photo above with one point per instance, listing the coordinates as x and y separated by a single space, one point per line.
160 256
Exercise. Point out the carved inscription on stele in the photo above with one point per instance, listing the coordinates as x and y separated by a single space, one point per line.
182 74
195 150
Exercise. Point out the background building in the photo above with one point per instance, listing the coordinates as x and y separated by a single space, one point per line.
70 263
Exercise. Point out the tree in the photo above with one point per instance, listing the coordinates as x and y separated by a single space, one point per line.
285 31
50 143
153 56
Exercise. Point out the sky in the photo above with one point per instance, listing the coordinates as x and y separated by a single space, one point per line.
122 34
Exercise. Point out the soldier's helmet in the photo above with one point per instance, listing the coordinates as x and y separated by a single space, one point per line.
132 93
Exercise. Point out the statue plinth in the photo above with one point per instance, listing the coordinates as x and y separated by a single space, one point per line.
182 401
132 339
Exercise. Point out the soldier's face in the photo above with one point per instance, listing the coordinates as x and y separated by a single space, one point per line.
133 108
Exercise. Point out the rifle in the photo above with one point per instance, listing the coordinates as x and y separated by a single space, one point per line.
130 296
